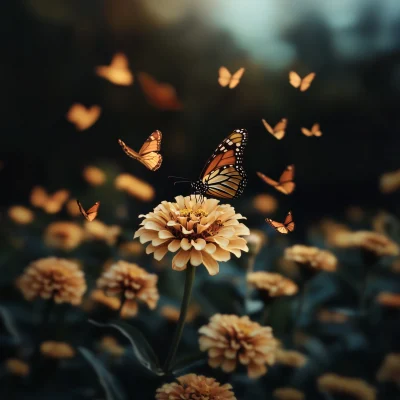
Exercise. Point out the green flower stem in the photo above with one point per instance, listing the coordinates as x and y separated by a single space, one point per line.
189 280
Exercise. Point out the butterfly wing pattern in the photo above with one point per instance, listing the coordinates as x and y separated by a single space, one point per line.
302 84
223 175
285 227
149 153
90 214
225 78
285 184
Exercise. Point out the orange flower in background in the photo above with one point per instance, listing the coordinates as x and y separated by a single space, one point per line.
58 350
389 371
63 235
117 72
230 340
21 215
388 299
72 208
50 203
110 345
317 259
82 117
53 278
98 296
389 182
97 230
94 176
334 317
171 313
17 367
255 241
132 284
354 387
355 214
192 386
130 248
160 95
265 203
288 394
204 233
291 358
273 284
135 187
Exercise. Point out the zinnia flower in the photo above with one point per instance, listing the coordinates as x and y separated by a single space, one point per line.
57 350
135 187
63 235
17 367
288 394
312 257
274 285
132 283
390 369
230 339
354 387
53 278
97 230
21 215
94 176
204 233
192 386
389 299
291 358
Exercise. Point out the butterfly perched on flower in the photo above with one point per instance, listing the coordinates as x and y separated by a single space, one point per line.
223 175
301 83
278 130
91 213
149 153
117 72
227 79
285 227
315 131
285 184
83 118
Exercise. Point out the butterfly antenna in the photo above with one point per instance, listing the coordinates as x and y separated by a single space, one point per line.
181 182
177 177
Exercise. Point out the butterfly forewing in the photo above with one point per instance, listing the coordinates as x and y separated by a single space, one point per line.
302 84
153 143
91 213
225 78
306 81
235 80
285 227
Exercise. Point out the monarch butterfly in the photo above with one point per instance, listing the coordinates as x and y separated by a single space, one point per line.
83 118
149 152
117 72
302 84
226 78
90 214
223 175
285 227
278 130
51 203
160 95
315 131
285 184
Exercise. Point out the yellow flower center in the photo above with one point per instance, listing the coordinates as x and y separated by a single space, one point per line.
199 213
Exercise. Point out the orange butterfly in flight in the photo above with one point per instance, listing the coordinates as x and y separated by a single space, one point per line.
117 72
315 131
278 130
285 184
226 78
160 95
302 84
51 203
285 227
83 118
90 214
149 153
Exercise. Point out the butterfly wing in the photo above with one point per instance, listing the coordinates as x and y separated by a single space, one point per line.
316 130
306 132
306 81
289 223
267 180
294 79
128 151
268 127
278 226
153 143
236 78
151 160
119 61
224 76
286 184
90 214
280 128
223 174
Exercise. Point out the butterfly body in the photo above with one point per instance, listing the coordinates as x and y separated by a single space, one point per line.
149 154
223 175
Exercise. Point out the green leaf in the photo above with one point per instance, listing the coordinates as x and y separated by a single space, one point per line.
140 346
111 387
9 324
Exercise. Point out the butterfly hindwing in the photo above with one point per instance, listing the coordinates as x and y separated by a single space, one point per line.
302 84
91 213
285 227
285 184
225 78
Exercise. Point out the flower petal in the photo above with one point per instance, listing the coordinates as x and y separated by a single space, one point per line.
174 246
180 260
185 244
195 258
164 234
160 252
221 254
211 265
199 244
210 248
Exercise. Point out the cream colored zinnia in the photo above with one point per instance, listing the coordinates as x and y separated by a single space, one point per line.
230 340
273 284
63 235
204 233
312 257
195 387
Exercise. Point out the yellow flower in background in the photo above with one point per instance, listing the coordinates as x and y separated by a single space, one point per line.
388 299
265 203
317 259
290 358
204 233
59 350
132 284
130 248
230 340
53 278
171 313
97 230
135 187
111 345
94 176
21 215
288 393
98 296
354 387
389 182
334 317
273 284
17 367
63 235
193 387
389 371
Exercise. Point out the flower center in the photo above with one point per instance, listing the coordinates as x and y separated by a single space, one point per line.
199 213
